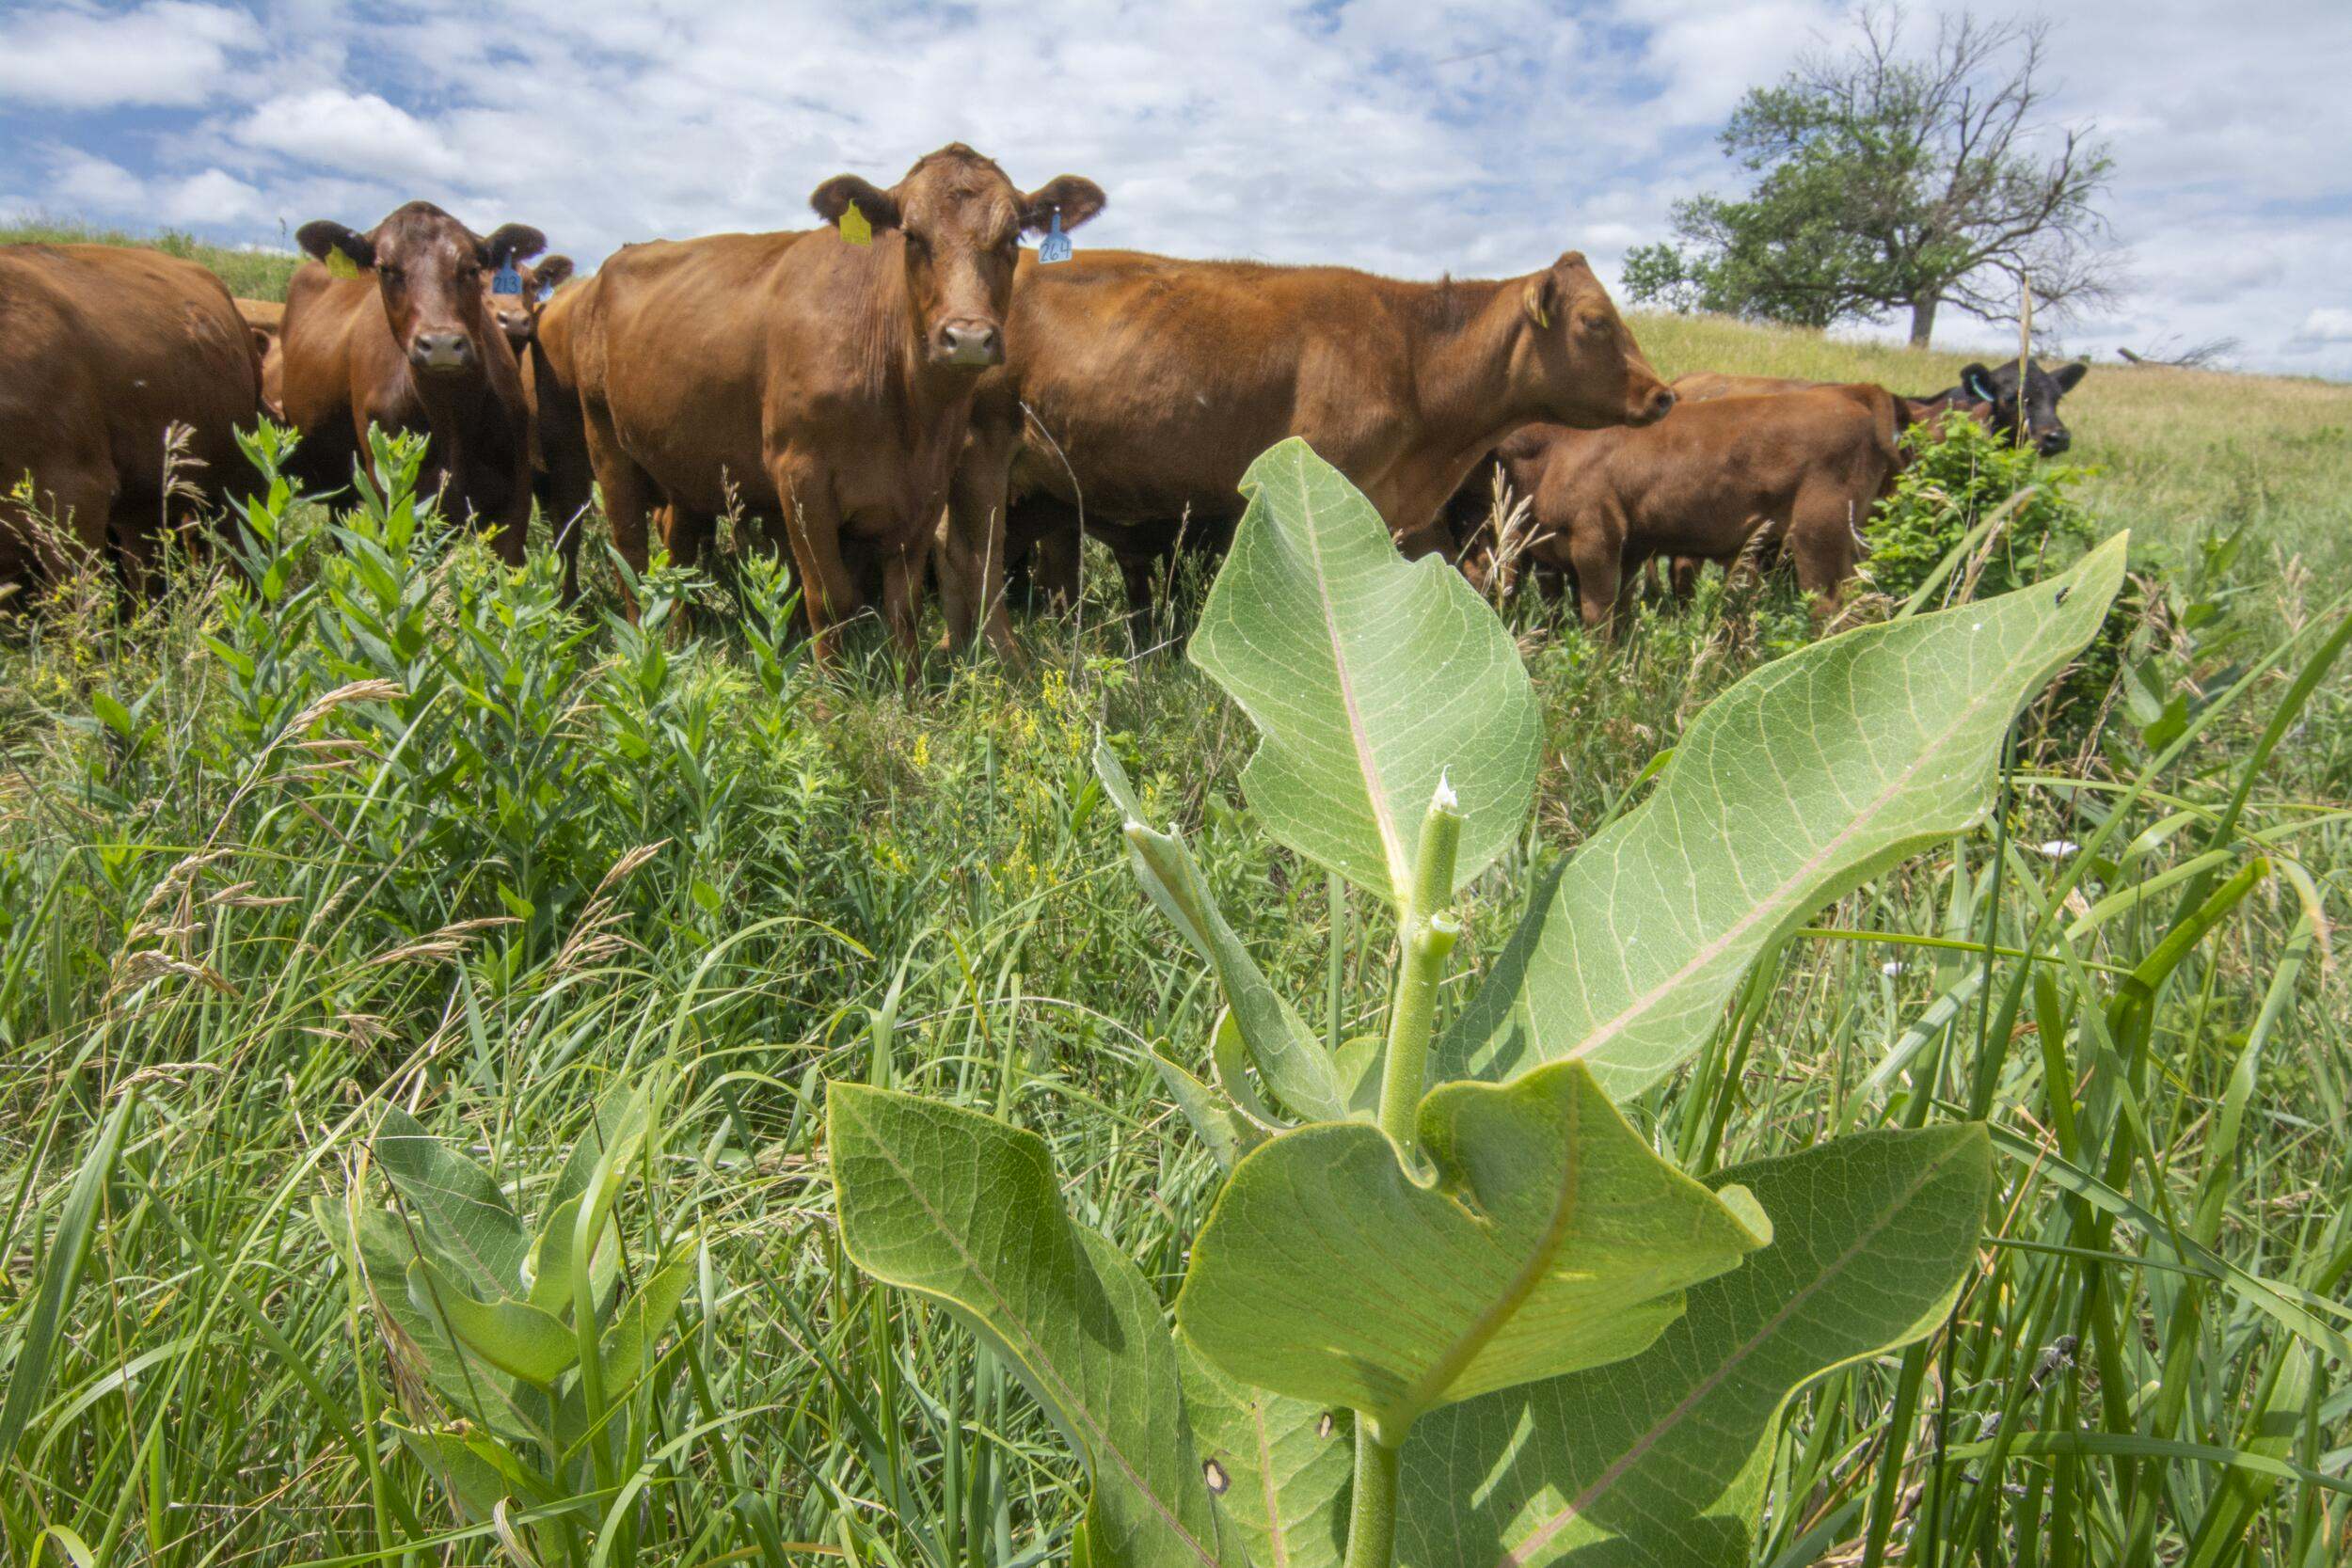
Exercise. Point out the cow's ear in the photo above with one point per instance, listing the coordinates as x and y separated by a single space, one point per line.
1540 299
551 274
1977 383
2070 376
513 242
879 207
322 239
1075 197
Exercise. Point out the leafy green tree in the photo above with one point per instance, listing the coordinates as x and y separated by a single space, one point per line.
1887 181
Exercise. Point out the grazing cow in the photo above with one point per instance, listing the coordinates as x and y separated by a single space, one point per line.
1795 471
2034 418
1707 386
825 381
104 353
1139 389
411 344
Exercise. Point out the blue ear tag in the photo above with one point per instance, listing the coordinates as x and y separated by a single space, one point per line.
1056 246
546 291
506 280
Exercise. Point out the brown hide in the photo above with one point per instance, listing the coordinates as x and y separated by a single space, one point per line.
1153 382
102 349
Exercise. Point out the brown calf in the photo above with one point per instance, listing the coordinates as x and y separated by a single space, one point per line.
411 344
103 351
826 383
1796 470
1139 389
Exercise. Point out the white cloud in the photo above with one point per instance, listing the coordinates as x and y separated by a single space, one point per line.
353 132
166 53
214 196
2326 324
81 183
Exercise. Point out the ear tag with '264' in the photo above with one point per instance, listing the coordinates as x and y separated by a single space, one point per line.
1056 246
506 280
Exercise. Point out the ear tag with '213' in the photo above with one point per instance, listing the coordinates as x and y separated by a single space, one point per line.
1056 246
506 280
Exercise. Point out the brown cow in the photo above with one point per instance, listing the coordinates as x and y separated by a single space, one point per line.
103 351
1150 383
1796 470
411 344
828 381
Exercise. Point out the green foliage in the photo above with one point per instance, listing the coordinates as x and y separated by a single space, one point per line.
208 999
1545 1238
1959 477
543 1378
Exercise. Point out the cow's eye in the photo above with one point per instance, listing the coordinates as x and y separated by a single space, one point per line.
391 274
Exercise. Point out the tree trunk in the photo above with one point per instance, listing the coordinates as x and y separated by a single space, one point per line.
1923 318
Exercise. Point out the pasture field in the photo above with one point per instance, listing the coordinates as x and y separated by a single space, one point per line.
394 828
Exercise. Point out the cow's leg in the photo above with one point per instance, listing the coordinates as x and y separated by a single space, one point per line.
1820 538
1683 578
1596 552
628 492
971 550
812 525
65 527
1141 572
902 601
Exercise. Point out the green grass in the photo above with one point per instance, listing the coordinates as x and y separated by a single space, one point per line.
508 857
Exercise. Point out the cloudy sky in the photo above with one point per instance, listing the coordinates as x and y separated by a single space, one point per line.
1402 135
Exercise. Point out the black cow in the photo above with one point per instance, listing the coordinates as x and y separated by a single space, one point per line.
1997 385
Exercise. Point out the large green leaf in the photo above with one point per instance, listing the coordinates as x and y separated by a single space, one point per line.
1280 1468
1552 1238
1370 680
513 1335
1296 1068
960 1207
459 1211
1801 783
1660 1461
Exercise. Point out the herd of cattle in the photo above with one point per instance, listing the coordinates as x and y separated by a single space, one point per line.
906 392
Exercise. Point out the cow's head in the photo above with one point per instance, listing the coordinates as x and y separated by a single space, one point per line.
1587 370
431 271
958 223
2041 427
517 314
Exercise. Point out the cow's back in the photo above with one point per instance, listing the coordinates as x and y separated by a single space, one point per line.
155 340
1159 380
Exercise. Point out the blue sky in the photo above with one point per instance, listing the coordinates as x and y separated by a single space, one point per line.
1396 134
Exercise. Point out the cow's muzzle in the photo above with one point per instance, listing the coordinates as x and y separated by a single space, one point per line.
441 351
972 345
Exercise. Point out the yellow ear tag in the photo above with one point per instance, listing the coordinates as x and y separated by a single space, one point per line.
1543 317
854 227
340 265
